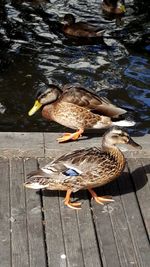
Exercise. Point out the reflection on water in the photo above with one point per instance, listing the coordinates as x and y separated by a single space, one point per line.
34 52
138 69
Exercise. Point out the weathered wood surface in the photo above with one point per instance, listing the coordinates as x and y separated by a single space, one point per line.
45 145
37 230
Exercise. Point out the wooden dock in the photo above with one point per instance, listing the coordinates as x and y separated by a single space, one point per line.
37 230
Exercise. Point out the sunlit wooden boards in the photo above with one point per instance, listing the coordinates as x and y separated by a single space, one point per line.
36 229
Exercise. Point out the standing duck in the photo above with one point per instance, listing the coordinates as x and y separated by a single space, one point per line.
79 29
84 169
74 107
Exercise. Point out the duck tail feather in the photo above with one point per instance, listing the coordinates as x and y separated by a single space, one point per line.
124 123
100 33
37 182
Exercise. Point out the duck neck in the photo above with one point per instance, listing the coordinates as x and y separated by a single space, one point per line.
116 153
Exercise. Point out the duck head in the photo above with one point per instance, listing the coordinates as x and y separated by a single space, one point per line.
116 135
49 96
68 19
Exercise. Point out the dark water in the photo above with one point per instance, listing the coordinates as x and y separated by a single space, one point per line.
34 52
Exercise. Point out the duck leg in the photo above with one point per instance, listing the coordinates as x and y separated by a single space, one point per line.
100 200
75 205
70 136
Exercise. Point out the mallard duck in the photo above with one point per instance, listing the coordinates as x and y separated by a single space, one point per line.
79 29
85 168
74 107
113 7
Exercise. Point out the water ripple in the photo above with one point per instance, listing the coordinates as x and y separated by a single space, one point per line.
34 52
138 69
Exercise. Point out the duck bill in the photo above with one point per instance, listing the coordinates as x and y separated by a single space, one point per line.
63 22
122 8
34 109
134 144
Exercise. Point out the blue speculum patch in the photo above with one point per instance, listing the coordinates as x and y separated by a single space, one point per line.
71 172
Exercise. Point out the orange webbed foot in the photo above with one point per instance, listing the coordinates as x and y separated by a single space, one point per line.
70 136
100 200
67 202
65 137
74 205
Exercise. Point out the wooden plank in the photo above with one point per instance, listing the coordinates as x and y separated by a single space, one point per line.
32 144
21 144
104 230
56 252
20 248
54 149
133 218
117 233
54 234
125 247
90 250
71 234
142 190
36 241
146 166
144 198
5 231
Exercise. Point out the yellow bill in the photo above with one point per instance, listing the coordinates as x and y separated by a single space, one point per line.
34 109
122 8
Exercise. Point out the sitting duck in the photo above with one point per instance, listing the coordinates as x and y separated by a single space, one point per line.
84 169
77 108
79 29
113 7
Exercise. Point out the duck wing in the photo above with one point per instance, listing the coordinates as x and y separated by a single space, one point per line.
74 160
81 29
82 97
72 170
87 27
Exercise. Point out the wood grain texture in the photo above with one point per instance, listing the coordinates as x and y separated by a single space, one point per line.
37 252
53 227
38 230
45 144
144 193
134 217
71 234
20 249
125 248
86 227
5 230
104 232
21 144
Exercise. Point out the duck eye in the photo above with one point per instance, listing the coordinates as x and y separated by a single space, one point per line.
126 139
115 136
39 94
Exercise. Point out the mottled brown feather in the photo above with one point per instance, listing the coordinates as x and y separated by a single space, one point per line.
94 164
91 167
80 28
73 116
86 98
